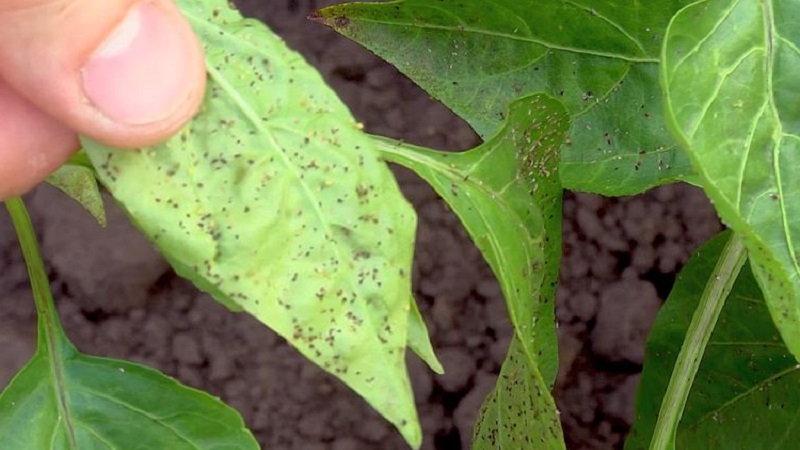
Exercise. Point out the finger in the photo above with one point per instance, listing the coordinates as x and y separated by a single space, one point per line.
32 144
125 72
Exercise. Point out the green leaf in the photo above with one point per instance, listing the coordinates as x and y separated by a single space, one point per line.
419 340
273 199
80 184
730 79
745 393
507 195
112 404
600 58
65 400
520 413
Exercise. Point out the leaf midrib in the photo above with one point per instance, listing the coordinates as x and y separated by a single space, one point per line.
125 405
247 110
497 34
455 174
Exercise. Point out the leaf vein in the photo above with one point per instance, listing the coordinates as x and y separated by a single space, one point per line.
605 19
528 39
696 48
721 79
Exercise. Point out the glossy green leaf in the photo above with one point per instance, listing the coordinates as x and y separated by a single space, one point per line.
507 194
80 184
730 77
273 199
112 404
600 58
65 400
745 393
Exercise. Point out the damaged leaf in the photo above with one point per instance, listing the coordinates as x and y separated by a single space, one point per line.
507 194
273 200
598 58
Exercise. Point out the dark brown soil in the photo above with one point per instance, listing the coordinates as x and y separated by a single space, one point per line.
118 298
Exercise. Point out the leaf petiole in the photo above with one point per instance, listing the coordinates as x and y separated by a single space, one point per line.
51 338
702 325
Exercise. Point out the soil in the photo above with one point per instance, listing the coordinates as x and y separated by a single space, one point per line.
118 298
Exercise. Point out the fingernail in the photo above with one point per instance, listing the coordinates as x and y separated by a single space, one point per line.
136 75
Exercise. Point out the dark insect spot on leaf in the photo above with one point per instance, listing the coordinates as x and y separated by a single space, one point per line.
341 21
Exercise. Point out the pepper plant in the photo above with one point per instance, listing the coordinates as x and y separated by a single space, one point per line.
276 202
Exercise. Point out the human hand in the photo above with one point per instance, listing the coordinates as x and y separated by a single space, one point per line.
125 72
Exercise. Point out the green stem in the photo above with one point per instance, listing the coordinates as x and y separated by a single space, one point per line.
53 343
705 317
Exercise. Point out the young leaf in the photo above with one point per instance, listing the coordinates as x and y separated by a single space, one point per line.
729 75
65 400
273 199
745 368
80 184
507 195
419 340
599 58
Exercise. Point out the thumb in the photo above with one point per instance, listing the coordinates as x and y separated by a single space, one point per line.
125 72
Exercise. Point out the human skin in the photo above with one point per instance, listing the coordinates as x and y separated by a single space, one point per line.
127 73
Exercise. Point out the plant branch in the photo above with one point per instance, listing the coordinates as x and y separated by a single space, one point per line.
704 320
51 338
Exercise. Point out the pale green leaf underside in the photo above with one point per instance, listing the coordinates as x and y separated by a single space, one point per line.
745 394
730 74
507 194
80 184
114 405
599 58
273 199
419 340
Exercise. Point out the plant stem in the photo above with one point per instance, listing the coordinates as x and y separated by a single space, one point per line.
51 338
704 320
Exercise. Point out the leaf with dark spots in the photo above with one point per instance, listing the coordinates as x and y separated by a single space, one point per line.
65 400
507 194
77 180
273 201
599 58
